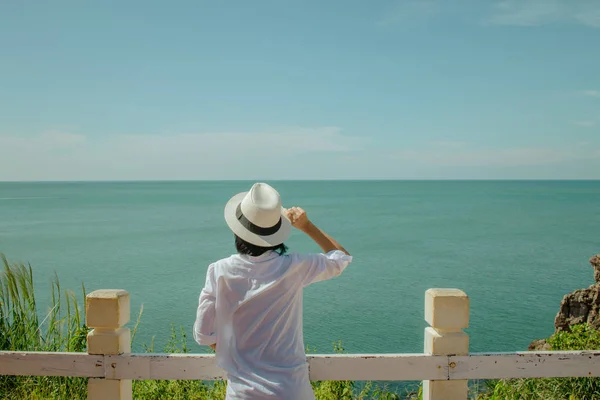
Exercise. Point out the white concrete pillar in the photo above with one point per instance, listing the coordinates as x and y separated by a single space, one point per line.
447 313
107 311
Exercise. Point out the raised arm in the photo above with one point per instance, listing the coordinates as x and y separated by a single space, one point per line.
299 220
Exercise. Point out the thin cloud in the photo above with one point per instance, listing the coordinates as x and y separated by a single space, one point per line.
62 139
586 124
590 17
591 93
484 157
219 155
294 153
525 13
288 141
544 12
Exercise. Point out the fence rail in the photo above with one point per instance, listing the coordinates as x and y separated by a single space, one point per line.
359 367
444 367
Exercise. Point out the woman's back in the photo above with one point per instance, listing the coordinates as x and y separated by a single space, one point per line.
258 309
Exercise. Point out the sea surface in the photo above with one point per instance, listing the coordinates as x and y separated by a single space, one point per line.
515 247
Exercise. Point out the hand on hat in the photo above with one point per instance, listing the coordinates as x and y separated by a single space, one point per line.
298 218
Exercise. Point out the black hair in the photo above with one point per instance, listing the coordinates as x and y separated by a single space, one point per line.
250 249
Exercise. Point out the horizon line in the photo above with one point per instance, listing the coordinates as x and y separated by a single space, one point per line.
314 180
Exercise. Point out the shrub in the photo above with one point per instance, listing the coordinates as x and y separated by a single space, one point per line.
581 337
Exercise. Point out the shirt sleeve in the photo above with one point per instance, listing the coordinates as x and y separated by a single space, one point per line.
320 267
204 327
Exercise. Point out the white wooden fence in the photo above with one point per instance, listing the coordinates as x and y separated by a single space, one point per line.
444 367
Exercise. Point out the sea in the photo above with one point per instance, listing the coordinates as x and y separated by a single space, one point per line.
515 247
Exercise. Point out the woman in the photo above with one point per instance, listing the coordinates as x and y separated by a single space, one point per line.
250 309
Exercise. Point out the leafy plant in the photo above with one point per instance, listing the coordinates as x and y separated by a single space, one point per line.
581 337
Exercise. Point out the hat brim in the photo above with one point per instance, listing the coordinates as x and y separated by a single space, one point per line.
234 224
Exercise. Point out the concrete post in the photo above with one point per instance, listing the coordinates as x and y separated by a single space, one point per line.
107 311
447 311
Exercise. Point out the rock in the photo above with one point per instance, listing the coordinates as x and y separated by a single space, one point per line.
539 345
595 261
582 305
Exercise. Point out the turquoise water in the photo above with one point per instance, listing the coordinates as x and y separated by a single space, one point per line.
515 247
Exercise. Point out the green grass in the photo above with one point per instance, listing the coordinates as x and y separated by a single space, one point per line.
581 337
61 328
23 327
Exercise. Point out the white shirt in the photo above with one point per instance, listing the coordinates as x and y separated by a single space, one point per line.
251 307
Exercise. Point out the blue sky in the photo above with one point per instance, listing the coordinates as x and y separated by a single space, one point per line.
465 89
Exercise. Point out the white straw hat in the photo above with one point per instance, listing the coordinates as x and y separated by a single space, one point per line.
257 216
